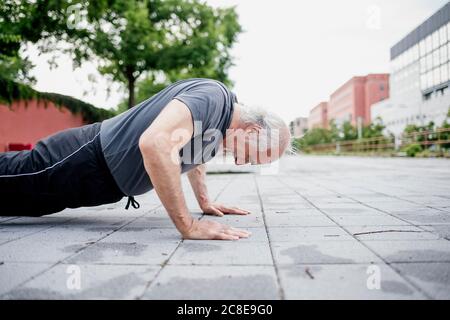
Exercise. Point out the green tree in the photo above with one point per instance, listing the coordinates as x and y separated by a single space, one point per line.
176 37
373 130
313 137
446 134
349 131
23 22
334 131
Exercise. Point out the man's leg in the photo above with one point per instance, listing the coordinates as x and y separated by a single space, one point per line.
66 170
23 194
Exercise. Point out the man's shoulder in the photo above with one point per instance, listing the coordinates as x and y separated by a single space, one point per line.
201 81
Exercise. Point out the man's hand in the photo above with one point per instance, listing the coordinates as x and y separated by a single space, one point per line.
211 230
217 209
197 177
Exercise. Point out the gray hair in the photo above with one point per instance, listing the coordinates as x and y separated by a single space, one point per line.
270 123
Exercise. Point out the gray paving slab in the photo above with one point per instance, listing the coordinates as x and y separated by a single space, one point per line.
351 207
395 206
346 282
433 278
412 251
130 234
317 225
248 221
153 221
133 253
331 200
296 211
9 233
4 219
366 220
295 220
307 234
43 222
214 282
72 234
392 233
29 250
13 274
435 201
442 230
94 282
327 252
222 253
425 218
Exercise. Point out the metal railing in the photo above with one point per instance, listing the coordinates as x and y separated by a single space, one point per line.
438 137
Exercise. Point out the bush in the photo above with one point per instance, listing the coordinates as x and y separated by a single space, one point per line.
413 149
11 91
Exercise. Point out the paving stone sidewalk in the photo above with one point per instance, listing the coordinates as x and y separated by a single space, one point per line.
323 228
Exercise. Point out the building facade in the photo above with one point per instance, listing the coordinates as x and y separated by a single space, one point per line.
318 116
26 122
299 127
420 69
353 100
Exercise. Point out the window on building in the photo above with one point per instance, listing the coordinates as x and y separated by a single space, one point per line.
428 44
430 82
436 58
448 51
448 31
423 82
429 62
402 59
422 48
436 76
415 52
443 54
444 73
443 35
423 65
448 65
436 39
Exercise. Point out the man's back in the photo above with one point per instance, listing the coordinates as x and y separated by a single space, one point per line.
209 101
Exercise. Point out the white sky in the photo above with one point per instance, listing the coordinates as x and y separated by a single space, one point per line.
292 54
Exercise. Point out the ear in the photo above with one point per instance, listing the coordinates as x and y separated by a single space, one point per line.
253 128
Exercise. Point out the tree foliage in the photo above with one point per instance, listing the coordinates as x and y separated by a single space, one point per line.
178 38
345 132
12 91
131 39
22 22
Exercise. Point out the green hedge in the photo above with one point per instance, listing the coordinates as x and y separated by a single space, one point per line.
11 91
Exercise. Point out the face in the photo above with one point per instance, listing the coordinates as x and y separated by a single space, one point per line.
247 147
248 153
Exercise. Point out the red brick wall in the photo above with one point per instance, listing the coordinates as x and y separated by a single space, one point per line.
29 122
359 99
356 97
318 116
377 89
343 100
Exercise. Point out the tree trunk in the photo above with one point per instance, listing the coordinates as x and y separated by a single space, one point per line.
131 82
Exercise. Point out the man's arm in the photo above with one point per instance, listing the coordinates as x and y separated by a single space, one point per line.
198 182
197 178
160 145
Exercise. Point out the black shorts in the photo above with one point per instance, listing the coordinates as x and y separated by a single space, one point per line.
65 170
